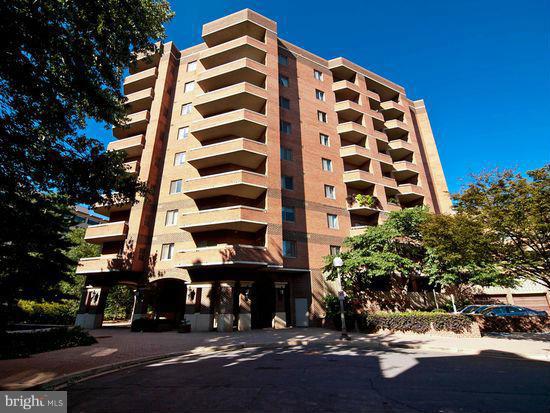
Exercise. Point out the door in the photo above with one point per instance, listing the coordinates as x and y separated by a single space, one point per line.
263 304
300 305
533 301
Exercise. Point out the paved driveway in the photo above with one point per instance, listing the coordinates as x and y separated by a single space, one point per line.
322 377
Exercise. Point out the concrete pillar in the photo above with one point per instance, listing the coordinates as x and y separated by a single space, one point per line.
92 305
245 306
141 301
225 315
279 319
198 310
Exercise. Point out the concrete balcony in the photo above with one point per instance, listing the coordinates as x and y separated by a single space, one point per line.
117 206
355 154
242 47
372 95
396 129
357 230
392 110
137 124
384 159
351 131
141 80
240 96
242 70
400 149
146 60
132 167
375 114
141 100
355 208
244 184
101 264
345 90
348 111
388 182
404 170
222 255
409 192
132 146
112 231
242 123
236 218
359 179
381 136
235 25
243 152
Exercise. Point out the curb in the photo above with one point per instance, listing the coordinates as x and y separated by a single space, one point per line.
73 378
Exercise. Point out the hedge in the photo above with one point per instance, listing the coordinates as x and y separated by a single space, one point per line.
16 345
63 312
414 321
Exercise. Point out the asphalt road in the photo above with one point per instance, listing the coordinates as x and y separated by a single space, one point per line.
318 379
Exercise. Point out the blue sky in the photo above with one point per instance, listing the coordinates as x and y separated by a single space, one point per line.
483 67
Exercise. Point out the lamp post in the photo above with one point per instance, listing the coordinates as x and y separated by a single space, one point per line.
337 262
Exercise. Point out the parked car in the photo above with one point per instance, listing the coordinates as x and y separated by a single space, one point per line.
469 309
511 310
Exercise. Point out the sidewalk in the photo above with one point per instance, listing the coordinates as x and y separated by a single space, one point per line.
117 345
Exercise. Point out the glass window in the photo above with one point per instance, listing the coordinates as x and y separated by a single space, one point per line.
179 158
327 165
332 221
183 132
186 108
287 182
322 116
325 140
283 81
286 154
171 217
284 102
189 87
319 95
330 192
334 250
283 60
289 248
175 186
192 66
289 214
167 251
317 74
286 127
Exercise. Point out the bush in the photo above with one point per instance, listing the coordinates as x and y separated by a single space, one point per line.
332 308
414 321
63 312
16 345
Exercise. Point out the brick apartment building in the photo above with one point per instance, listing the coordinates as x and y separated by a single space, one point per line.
255 150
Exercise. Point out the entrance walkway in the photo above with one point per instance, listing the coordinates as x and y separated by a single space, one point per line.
117 345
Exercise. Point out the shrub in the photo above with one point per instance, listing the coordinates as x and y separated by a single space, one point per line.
332 309
16 345
365 200
63 312
414 321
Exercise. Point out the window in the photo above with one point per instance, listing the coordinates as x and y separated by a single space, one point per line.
286 154
171 217
186 108
284 102
289 248
322 116
289 214
319 95
286 127
317 74
189 87
287 182
192 66
183 132
325 140
334 250
283 60
330 192
175 186
167 251
327 165
283 81
332 221
179 158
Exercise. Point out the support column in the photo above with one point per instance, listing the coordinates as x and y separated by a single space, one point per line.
141 301
245 306
225 316
279 320
92 306
198 309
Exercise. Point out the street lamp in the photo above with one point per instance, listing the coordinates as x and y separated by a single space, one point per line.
337 262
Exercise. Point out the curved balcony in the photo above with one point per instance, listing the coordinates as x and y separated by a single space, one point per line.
140 100
359 179
351 131
242 122
242 70
355 154
132 146
222 255
396 129
239 96
112 231
244 184
244 46
103 263
345 90
348 111
141 80
243 152
137 124
392 110
235 218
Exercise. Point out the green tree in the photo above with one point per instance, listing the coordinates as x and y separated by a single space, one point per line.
62 64
515 213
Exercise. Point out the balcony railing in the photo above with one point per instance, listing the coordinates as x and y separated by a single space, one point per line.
235 218
240 96
137 124
224 255
351 131
141 100
244 184
355 154
132 146
112 231
132 167
242 47
348 111
243 152
140 81
359 179
396 129
345 90
242 122
101 264
234 26
242 70
392 110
